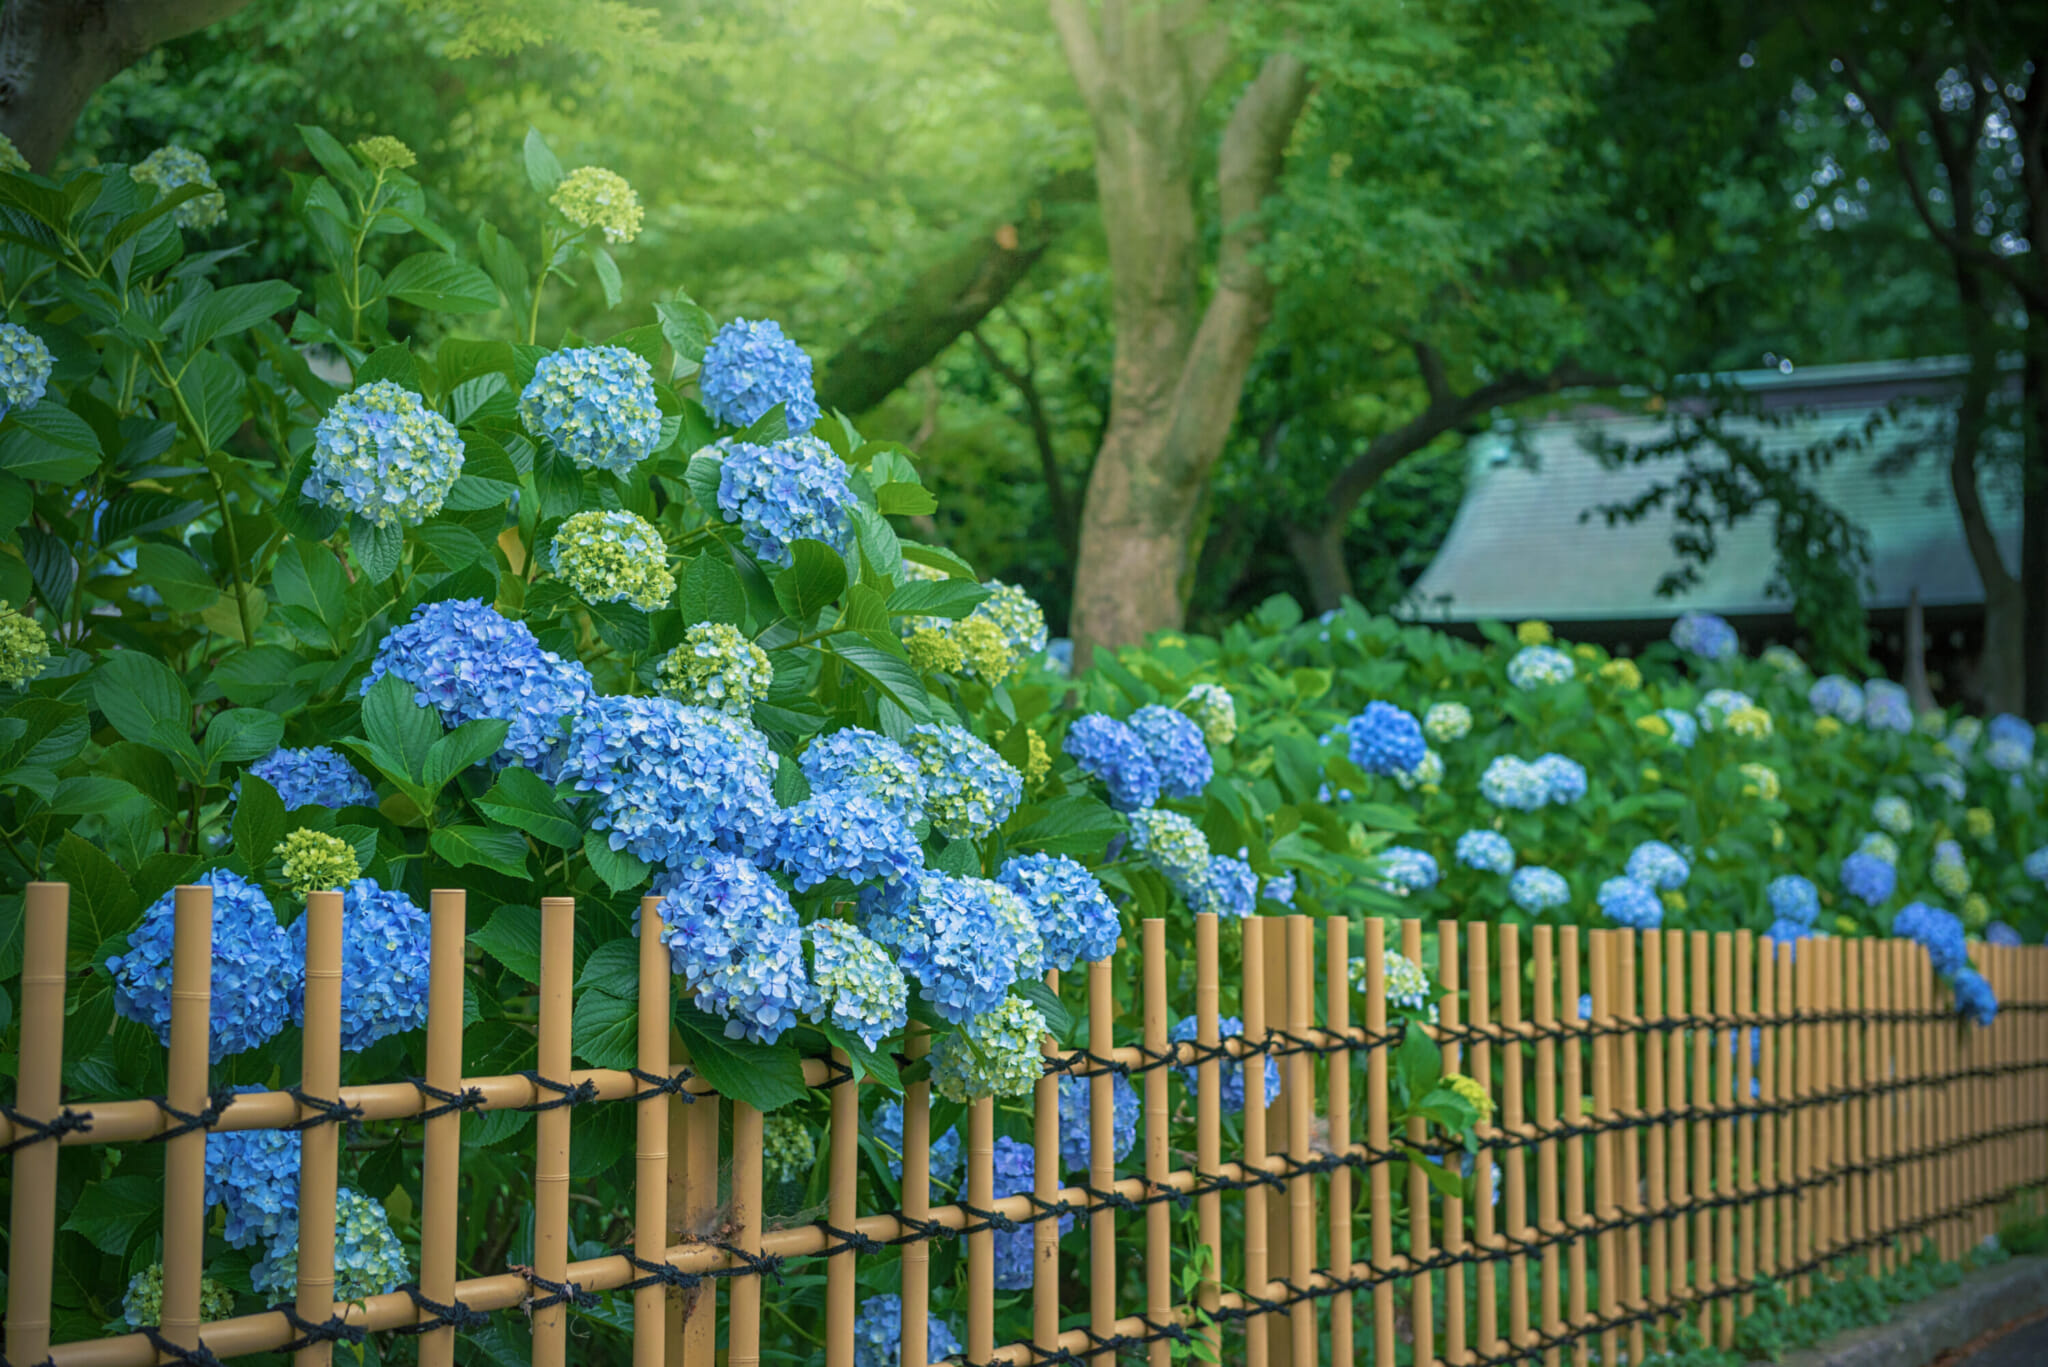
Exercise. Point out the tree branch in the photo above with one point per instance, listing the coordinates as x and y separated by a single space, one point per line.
1082 46
1430 363
1024 380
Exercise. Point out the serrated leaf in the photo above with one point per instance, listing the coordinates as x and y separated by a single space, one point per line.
212 388
111 1212
607 276
619 869
470 743
463 846
764 1076
613 967
890 674
442 283
816 576
103 904
1057 1019
686 325
238 735
182 581
709 591
1078 824
259 822
378 549
522 799
400 727
512 937
48 442
136 693
543 171
904 499
936 598
605 1029
237 308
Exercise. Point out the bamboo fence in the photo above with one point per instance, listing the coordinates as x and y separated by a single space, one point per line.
1732 1115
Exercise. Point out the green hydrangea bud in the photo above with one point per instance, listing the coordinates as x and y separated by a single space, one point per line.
716 666
143 1303
24 649
592 197
316 861
1470 1089
11 158
787 1148
169 168
613 557
385 153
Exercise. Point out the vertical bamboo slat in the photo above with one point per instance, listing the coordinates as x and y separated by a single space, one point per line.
186 1078
1337 1018
1376 1137
1256 1268
551 1128
1208 1118
1483 1212
1699 947
1856 1185
1514 1121
1545 965
916 1272
1787 1047
1767 1154
981 1245
319 1143
1606 1198
743 1302
1676 1177
1574 1147
699 1203
1421 1301
1805 1054
650 1162
1745 1130
1279 1139
1880 1124
1101 1159
1727 1045
843 1174
1301 1096
441 1142
1454 1208
1654 1100
1045 1185
38 1095
1831 1047
1628 1082
1158 1226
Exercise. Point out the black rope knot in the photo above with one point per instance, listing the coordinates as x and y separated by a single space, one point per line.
467 1099
850 1241
659 1274
333 1329
559 1293
565 1094
326 1111
454 1315
657 1085
217 1101
191 1357
29 1130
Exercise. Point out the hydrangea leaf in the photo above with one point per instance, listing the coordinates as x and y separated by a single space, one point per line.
395 363
543 170
521 798
613 967
619 869
211 387
512 937
864 1061
605 1029
103 904
710 592
240 733
259 822
686 325
890 673
377 549
767 429
468 744
443 284
936 598
143 700
903 499
764 1076
464 846
1079 824
183 582
48 442
235 308
1057 1018
816 576
111 1212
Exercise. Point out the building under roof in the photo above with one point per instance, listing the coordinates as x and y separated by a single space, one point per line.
1520 547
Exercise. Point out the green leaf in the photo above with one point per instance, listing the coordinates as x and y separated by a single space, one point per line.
703 476
767 429
103 904
864 1061
879 546
1078 824
613 967
442 283
710 591
89 795
816 576
237 308
378 548
259 822
543 171
173 573
470 743
764 1076
622 626
451 543
463 846
333 157
864 610
138 694
606 1030
48 442
619 869
400 727
891 674
522 799
936 598
960 858
1057 1019
1446 1182
607 276
903 499
111 1212
394 362
211 387
240 734
1420 1063
512 937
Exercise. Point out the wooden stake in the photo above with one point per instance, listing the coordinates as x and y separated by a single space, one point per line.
1158 1226
1337 1018
1376 1136
38 1095
551 1129
320 1143
441 1140
185 1154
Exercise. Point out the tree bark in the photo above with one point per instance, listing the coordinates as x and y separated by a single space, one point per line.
1180 362
950 298
2003 664
55 53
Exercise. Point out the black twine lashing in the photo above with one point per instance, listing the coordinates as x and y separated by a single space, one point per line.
29 1130
566 1094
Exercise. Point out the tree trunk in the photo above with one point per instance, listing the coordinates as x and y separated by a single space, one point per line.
2002 668
55 53
1319 551
2033 587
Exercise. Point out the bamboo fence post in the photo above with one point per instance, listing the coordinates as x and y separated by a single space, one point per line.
1724 1128
1767 1124
743 1303
699 1313
1454 1207
1377 1138
441 1140
1483 1212
916 1271
1279 1139
1514 1122
1787 1045
1253 1065
1950 1112
1699 946
551 1128
38 1096
843 1176
1831 1045
981 1244
1745 1130
1882 1125
1575 1147
1208 1123
1301 1096
1677 1183
1045 1186
1101 1159
1605 1197
320 1141
1855 1184
1630 1140
1158 1226
650 1164
1421 1297
186 1089
1659 1233
1337 1019
1807 1054
1545 967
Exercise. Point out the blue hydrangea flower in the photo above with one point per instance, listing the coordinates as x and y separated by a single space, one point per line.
1832 695
1630 902
673 781
1015 1172
2012 743
1564 780
1999 933
997 1053
385 939
969 789
887 1130
172 167
1214 710
856 985
314 778
1513 783
1230 1071
1534 667
1172 844
1177 751
878 1334
1793 898
467 662
1407 984
1705 635
2011 728
1279 887
1229 888
749 368
1786 932
1075 918
858 761
1445 722
254 1175
1385 739
1892 814
1869 878
1112 752
1887 707
790 491
1536 889
1939 932
1880 846
1408 869
1486 851
368 1258
1077 1094
25 366
1657 864
1684 730
844 835
733 937
255 971
1974 998
1949 871
1719 704
596 404
964 940
2035 865
382 454
608 555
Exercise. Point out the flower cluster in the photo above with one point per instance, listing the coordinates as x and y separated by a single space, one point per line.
612 556
1534 633
596 404
717 667
385 944
1230 1091
142 1304
1425 775
672 780
1892 814
11 159
1625 675
840 836
1974 997
1536 889
1384 739
1002 634
1214 710
1760 781
369 1260
172 167
1705 635
1835 696
1407 984
467 662
1881 846
1228 888
318 777
592 197
1445 722
1630 902
965 940
788 1148
385 153
792 490
733 937
968 788
314 860
1657 864
25 366
1999 933
1076 921
1173 844
24 649
1178 753
878 1334
1077 1095
1513 783
1887 707
854 761
385 456
996 1053
1112 752
1540 666
859 987
1869 878
2012 744
1472 1093
255 971
1786 661
1564 780
1408 870
254 1176
1015 1172
887 1131
1948 870
749 368
1939 932
1794 899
